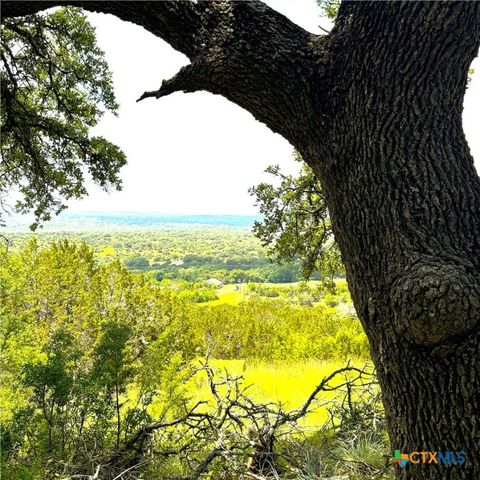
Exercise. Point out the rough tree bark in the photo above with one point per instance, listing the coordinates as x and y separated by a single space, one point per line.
375 109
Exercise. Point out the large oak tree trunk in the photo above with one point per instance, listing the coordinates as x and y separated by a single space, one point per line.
405 200
375 109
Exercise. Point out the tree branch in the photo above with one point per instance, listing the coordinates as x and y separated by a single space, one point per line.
244 51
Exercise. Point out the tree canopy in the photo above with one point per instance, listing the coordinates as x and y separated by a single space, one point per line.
56 85
296 223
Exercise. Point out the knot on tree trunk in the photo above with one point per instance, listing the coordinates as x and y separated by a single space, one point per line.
435 302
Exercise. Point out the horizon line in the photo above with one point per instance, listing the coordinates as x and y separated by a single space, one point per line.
149 212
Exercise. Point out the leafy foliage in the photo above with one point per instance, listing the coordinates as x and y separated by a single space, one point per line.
55 87
273 329
93 355
329 8
230 255
86 351
296 222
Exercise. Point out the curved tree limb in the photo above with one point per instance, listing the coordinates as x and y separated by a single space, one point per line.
244 51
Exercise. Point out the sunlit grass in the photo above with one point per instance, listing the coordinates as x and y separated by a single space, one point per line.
287 383
228 294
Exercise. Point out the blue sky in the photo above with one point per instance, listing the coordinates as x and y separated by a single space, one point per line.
194 153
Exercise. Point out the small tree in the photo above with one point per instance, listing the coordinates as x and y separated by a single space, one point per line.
113 368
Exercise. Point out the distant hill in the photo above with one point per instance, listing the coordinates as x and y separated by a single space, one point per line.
78 221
